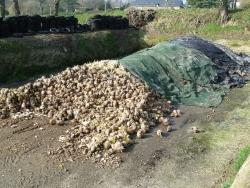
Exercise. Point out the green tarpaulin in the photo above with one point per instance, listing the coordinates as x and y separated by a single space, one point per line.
181 74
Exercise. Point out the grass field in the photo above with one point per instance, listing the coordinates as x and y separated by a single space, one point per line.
171 23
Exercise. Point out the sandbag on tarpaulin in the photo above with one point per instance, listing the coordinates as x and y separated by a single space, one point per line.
228 63
181 74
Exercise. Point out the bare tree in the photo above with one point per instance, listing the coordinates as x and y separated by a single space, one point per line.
223 15
16 7
2 5
56 6
41 5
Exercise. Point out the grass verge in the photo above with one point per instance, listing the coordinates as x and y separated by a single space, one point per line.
228 183
171 24
241 158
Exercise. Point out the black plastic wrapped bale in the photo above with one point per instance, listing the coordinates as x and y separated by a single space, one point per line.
111 22
121 23
75 22
30 24
106 22
21 24
12 22
102 24
70 21
4 29
64 22
117 23
37 23
125 23
45 24
58 22
52 21
97 16
95 24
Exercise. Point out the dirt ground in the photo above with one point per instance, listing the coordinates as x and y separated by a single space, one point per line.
179 159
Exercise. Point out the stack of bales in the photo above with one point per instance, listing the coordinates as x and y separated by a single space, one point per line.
99 22
4 28
19 26
29 25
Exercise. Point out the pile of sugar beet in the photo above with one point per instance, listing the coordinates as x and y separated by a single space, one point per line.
102 103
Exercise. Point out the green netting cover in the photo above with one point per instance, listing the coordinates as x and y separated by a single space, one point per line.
181 74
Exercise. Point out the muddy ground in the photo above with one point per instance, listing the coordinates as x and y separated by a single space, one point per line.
179 159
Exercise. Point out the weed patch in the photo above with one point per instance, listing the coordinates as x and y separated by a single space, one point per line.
227 184
242 156
17 78
235 45
6 47
171 24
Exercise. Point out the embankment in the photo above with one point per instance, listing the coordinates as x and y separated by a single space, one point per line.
21 58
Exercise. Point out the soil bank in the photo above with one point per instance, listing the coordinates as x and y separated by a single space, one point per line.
21 58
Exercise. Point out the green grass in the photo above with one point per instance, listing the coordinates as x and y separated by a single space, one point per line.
6 46
235 45
215 27
176 23
17 78
25 76
242 156
227 184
